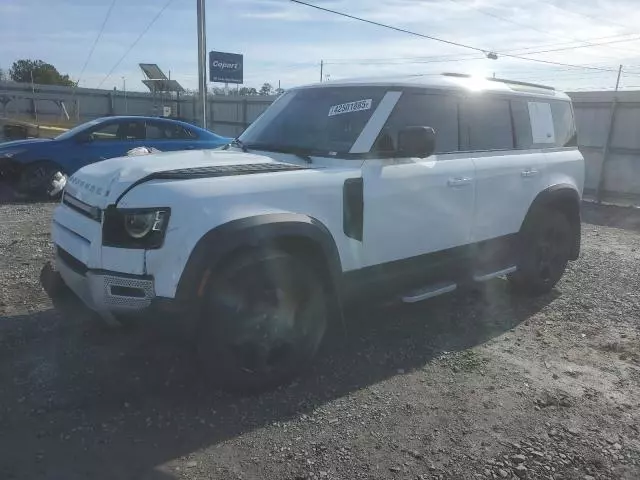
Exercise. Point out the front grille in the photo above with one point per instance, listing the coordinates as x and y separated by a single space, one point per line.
72 262
94 213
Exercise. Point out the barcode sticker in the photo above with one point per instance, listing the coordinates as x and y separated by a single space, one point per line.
351 107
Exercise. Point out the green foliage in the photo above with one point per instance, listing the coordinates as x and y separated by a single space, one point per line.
26 71
248 91
266 89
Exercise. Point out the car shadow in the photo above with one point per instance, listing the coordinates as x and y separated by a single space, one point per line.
86 402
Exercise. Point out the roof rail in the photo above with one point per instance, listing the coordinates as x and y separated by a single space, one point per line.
501 80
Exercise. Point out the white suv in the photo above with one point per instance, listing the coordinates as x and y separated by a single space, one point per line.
402 188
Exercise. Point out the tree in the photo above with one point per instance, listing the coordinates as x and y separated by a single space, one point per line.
248 91
42 72
2 75
266 89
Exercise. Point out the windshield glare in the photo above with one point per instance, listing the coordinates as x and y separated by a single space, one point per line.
76 130
321 120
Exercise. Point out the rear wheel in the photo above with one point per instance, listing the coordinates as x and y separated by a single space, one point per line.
544 252
37 181
264 317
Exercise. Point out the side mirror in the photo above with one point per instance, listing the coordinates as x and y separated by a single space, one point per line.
416 142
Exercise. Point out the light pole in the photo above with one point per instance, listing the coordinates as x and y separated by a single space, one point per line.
202 63
124 91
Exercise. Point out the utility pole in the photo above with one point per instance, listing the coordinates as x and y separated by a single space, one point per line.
202 64
124 91
321 68
607 144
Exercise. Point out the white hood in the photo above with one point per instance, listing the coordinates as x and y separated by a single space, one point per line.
99 184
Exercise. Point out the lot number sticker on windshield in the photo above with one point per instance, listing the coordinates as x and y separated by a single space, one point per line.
351 107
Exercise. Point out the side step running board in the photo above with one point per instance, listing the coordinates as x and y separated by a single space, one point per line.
499 273
429 292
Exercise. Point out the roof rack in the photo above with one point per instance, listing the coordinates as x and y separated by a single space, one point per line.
501 80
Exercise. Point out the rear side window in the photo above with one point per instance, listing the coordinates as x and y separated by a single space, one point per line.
415 109
487 124
543 124
564 124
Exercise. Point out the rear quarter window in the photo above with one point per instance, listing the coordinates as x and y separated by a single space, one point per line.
562 119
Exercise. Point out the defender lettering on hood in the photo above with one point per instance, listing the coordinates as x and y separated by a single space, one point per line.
105 183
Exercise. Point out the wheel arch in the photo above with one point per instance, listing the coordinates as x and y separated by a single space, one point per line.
295 233
565 198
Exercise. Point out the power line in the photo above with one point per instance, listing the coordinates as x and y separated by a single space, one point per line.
531 27
591 17
401 61
449 42
95 42
135 42
459 57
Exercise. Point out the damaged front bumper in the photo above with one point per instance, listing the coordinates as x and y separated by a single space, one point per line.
107 293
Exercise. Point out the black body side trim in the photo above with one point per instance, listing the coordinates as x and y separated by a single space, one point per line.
213 171
457 265
353 208
262 230
567 199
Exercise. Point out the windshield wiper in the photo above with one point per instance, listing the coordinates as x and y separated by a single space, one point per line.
301 153
236 142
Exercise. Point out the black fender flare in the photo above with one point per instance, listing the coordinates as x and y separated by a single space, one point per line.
567 198
250 232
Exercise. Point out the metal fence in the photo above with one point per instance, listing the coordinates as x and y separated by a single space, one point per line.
51 104
608 123
609 138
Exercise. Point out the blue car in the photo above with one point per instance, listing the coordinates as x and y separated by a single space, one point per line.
31 165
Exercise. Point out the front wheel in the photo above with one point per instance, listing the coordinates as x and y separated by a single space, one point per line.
38 181
263 319
544 252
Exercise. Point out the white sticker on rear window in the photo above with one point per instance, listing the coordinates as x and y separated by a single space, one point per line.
351 107
542 129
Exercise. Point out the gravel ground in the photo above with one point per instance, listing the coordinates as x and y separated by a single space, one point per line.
480 384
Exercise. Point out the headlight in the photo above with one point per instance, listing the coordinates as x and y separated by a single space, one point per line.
135 228
138 225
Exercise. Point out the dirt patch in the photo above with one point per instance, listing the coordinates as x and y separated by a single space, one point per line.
482 384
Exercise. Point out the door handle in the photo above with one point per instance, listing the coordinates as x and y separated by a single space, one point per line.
191 147
529 173
459 182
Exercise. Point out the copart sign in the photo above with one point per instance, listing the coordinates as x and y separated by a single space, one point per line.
225 67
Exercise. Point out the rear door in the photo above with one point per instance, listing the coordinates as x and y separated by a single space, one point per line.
507 178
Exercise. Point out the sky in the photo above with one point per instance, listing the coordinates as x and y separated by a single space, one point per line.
284 42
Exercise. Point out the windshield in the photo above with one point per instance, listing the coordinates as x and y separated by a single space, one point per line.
321 120
77 129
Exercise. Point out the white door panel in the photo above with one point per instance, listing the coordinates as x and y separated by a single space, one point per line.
413 207
506 184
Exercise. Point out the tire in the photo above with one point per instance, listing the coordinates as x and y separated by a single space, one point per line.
544 252
263 319
52 283
36 180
